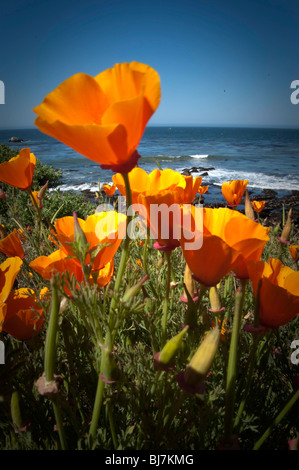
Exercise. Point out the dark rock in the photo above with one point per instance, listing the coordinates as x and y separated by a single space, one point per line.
269 193
204 174
15 139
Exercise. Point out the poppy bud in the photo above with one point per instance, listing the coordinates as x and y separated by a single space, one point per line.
215 300
79 235
249 212
190 286
63 305
132 291
201 362
165 357
15 411
42 191
285 234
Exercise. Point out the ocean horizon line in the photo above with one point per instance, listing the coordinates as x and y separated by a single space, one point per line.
203 126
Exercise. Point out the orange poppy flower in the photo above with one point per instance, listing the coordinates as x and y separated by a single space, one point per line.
105 274
229 240
24 315
160 189
58 262
156 182
202 189
11 245
278 293
102 228
294 251
9 270
258 206
103 117
109 189
18 171
234 191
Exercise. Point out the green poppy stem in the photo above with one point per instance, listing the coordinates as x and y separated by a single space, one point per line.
251 363
50 357
51 338
59 424
96 410
277 420
166 299
121 270
232 364
125 248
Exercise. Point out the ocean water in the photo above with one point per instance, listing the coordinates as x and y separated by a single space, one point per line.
267 158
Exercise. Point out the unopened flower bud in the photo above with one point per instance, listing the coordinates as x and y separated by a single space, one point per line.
285 234
215 300
79 235
201 362
249 212
132 291
166 356
190 286
42 191
15 410
63 305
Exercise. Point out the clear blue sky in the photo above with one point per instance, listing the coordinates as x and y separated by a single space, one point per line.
220 62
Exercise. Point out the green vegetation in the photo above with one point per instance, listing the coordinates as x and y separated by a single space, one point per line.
145 408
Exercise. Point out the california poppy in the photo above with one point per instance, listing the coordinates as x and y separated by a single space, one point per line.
278 294
294 252
102 228
234 191
229 240
59 263
103 117
104 275
9 270
18 171
24 316
109 189
11 245
258 206
161 189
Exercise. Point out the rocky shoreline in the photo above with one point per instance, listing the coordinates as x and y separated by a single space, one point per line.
271 214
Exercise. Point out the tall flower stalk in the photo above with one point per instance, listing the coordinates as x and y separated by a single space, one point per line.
232 364
108 341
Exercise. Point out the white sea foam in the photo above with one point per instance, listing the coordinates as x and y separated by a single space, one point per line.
77 187
255 180
198 156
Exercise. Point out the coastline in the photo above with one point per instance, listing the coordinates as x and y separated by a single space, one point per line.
272 214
